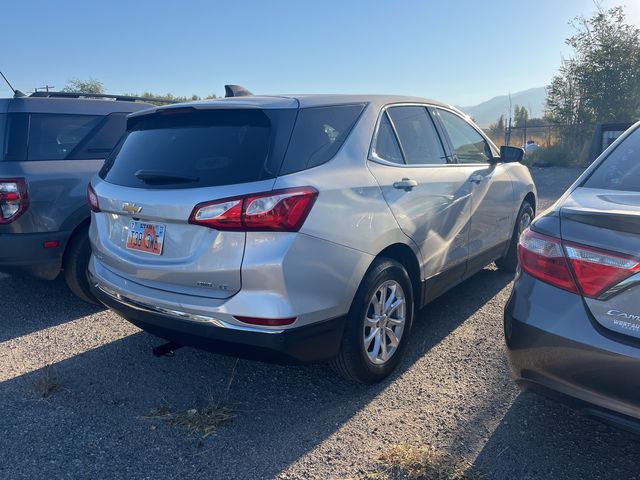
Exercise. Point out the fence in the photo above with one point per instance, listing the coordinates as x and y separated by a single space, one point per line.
544 135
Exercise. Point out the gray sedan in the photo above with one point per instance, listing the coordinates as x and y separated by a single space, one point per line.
572 323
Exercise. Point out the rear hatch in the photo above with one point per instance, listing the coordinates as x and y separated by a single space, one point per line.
604 214
169 162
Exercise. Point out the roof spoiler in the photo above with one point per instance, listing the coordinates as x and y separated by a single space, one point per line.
236 91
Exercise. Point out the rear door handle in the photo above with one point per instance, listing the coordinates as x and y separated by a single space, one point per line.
405 184
476 178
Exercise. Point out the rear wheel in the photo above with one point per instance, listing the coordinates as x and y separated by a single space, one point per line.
509 262
378 324
76 264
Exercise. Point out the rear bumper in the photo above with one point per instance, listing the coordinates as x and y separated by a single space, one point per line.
556 348
25 253
310 343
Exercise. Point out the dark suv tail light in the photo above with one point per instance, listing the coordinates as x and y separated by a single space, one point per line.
577 268
278 210
14 199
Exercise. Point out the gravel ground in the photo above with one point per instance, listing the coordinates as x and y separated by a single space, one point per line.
453 392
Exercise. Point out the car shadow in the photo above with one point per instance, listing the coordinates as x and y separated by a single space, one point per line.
541 439
30 305
94 424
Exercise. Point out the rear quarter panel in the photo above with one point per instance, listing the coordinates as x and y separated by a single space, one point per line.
57 193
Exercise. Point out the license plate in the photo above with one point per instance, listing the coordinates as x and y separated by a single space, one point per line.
145 237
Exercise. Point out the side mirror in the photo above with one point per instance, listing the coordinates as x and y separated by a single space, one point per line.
511 154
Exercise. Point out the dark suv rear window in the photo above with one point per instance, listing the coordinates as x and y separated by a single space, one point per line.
621 169
40 136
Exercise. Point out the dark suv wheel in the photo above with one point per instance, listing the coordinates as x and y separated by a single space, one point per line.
76 264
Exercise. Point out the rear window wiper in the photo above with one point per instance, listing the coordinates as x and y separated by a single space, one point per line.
159 177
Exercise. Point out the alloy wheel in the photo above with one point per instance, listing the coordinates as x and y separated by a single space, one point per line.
384 322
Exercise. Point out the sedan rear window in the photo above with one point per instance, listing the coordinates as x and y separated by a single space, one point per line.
621 169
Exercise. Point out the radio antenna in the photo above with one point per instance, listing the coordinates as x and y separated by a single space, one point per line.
16 93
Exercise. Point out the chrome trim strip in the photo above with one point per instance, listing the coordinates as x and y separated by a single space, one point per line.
146 307
620 287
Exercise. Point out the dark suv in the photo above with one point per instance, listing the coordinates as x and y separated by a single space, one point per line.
51 144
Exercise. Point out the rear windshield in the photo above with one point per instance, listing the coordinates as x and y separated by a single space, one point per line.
621 169
186 148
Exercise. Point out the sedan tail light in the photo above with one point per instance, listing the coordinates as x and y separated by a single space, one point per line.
14 199
278 210
577 268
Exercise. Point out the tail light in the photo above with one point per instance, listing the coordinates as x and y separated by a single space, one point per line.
92 199
14 199
278 210
577 268
596 270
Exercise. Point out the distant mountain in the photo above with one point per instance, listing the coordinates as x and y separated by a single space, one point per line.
488 112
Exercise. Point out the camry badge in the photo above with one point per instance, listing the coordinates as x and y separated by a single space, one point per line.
131 208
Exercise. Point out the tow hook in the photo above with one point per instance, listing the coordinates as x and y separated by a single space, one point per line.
166 349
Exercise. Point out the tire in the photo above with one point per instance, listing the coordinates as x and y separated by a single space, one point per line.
355 362
75 265
509 262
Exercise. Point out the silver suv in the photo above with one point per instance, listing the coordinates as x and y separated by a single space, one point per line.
300 228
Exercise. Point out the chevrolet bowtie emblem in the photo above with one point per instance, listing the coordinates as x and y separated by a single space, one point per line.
131 208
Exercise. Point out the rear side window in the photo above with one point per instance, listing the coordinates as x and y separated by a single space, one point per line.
387 147
39 136
468 145
16 135
419 140
318 135
621 169
186 148
54 137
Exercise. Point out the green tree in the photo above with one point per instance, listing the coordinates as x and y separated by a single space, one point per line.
601 81
84 86
171 97
496 129
520 116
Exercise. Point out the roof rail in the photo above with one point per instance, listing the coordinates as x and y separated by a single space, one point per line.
121 98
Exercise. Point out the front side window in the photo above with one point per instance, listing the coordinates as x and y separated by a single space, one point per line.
468 145
54 137
418 137
621 169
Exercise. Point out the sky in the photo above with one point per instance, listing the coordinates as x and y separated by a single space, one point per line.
459 51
